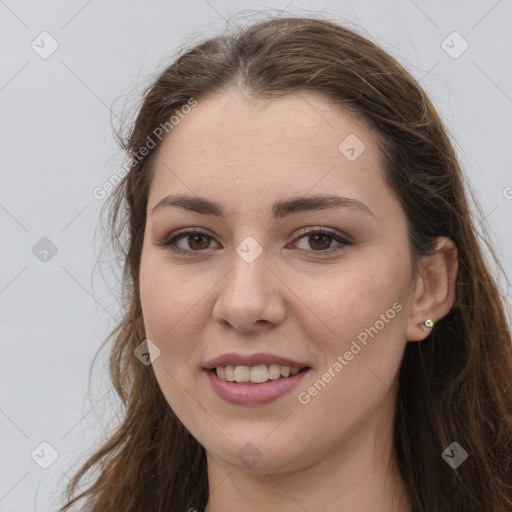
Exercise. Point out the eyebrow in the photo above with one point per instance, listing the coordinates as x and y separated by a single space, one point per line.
280 209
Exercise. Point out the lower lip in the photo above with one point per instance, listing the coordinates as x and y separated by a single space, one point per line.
253 394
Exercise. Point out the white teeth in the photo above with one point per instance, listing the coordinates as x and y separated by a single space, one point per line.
230 373
274 371
242 373
257 374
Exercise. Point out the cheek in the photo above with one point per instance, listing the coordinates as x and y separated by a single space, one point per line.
168 310
352 298
166 297
365 311
169 307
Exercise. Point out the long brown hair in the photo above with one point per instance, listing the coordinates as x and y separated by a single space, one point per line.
455 386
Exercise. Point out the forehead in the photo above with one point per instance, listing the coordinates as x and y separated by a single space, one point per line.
229 144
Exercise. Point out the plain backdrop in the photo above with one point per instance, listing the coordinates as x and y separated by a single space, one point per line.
67 69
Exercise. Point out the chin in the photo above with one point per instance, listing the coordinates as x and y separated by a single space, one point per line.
260 455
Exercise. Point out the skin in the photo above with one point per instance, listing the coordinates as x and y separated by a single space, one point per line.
335 452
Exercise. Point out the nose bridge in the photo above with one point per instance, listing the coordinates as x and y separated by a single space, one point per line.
248 277
250 293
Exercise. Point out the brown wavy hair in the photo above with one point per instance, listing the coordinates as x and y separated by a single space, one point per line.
453 386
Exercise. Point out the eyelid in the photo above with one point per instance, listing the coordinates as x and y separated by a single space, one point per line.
322 229
342 239
179 234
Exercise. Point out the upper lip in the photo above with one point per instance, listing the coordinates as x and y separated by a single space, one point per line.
234 359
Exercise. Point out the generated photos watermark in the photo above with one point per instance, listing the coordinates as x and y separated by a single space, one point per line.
158 133
305 397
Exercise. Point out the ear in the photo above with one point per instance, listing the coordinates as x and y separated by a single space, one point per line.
434 293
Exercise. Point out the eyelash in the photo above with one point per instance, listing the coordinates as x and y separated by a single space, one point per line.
170 241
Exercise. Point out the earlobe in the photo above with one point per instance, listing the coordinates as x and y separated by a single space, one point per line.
434 295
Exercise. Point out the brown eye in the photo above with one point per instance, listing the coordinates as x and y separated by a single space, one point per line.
197 241
320 240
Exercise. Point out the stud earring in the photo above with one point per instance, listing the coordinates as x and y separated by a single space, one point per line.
429 323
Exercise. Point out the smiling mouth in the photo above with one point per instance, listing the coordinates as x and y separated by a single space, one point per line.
259 374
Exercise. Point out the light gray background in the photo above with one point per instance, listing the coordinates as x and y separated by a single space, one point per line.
56 147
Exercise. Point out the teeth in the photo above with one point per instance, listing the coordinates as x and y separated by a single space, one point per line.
230 373
242 373
256 374
259 373
274 371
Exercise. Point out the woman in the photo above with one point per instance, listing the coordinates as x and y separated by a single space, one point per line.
310 322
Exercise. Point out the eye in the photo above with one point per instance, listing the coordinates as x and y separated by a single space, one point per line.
319 239
194 238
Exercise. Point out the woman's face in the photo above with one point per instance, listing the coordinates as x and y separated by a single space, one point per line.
326 288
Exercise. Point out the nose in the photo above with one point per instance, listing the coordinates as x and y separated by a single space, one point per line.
250 296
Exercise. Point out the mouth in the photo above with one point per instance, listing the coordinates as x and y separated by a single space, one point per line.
243 391
256 375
